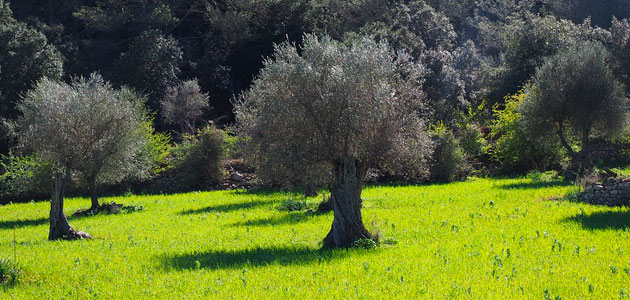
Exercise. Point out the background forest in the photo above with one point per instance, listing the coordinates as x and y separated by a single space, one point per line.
477 57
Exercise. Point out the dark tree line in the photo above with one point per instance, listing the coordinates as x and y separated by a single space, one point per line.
473 52
151 45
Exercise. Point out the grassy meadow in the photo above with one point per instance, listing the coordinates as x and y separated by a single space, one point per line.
479 239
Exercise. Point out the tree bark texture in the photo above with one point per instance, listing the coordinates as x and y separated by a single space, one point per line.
94 196
347 226
581 163
59 226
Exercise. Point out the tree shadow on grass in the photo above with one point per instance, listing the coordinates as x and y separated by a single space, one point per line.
233 259
534 185
604 220
264 192
287 219
23 223
224 207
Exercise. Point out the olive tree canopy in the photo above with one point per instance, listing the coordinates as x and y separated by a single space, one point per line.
85 127
184 104
344 107
575 95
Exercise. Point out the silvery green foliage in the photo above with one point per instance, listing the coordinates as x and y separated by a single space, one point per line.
419 21
522 41
86 126
530 40
329 101
415 27
443 84
472 68
575 94
620 32
184 104
428 36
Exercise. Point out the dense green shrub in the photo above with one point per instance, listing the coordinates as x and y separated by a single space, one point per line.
293 204
513 149
548 176
24 177
233 144
197 160
471 140
9 272
158 147
449 159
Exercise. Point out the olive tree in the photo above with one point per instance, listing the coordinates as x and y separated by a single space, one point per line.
575 95
85 127
347 107
184 104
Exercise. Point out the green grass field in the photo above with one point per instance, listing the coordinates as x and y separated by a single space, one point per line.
479 239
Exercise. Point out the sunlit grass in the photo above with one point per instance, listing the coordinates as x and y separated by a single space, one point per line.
484 238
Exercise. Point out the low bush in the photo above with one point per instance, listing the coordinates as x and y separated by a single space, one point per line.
471 140
233 145
111 208
292 204
449 159
24 178
157 149
547 176
367 244
197 160
513 149
9 272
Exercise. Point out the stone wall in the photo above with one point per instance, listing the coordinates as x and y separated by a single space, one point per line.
604 150
611 192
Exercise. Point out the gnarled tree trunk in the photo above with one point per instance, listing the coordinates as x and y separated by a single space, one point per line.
59 226
347 224
94 196
586 163
581 162
573 169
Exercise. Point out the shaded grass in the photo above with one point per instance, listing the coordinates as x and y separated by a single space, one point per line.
285 219
257 257
223 208
603 220
23 223
535 185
